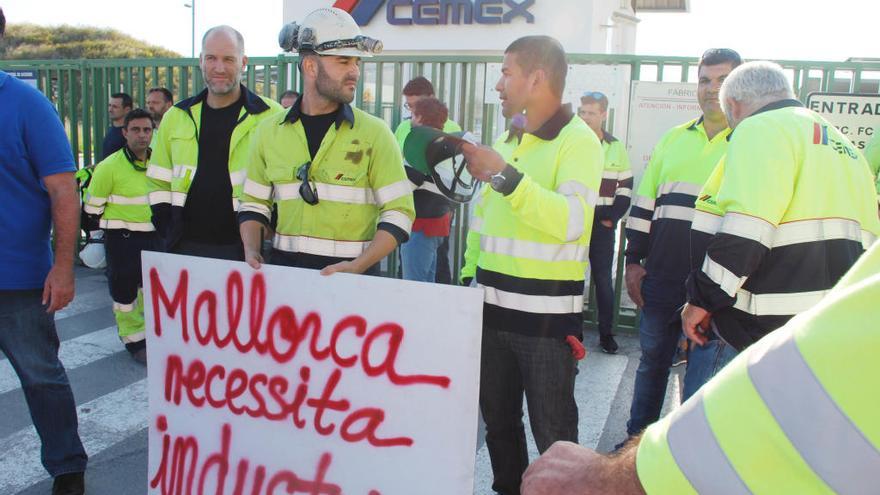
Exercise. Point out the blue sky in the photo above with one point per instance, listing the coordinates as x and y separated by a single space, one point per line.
780 29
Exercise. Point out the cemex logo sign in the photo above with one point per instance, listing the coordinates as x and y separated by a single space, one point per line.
434 12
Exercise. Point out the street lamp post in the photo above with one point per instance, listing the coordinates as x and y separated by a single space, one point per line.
192 6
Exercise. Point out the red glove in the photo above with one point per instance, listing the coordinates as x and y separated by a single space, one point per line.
577 347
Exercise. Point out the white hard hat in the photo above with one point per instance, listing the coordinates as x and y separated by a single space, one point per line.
93 255
328 31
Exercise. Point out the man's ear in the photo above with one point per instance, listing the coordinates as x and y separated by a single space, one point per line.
244 61
307 66
733 107
537 78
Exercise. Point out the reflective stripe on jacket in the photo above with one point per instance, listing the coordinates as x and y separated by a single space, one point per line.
786 213
615 190
358 176
176 155
660 218
794 413
529 249
119 194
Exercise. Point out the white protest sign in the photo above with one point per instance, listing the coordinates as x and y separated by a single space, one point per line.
284 381
856 115
656 107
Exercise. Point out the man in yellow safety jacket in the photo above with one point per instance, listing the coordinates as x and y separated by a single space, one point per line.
333 171
786 213
414 90
527 249
197 169
615 192
812 429
118 198
657 232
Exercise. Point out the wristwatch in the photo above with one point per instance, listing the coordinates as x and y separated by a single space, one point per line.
506 181
497 181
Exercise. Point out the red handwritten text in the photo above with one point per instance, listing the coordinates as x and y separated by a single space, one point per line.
283 334
183 470
262 396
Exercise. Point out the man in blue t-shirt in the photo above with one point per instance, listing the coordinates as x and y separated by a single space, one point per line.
39 190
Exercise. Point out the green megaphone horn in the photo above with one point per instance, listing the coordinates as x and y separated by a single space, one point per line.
438 155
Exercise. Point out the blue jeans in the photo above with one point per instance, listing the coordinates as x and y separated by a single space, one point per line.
659 332
29 340
419 257
543 369
704 362
601 264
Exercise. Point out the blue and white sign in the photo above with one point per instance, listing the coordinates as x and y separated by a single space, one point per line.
481 26
28 76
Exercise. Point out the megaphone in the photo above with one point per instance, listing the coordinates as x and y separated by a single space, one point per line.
438 155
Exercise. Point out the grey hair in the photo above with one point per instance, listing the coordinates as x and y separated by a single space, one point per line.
228 30
756 84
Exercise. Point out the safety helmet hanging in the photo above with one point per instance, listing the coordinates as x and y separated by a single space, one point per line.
438 155
93 254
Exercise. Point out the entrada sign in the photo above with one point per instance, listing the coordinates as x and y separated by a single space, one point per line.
439 12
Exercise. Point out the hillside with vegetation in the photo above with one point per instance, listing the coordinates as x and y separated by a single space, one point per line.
32 42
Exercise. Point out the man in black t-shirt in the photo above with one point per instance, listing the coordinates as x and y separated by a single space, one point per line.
198 163
333 171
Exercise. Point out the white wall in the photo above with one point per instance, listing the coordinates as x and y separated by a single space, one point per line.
582 26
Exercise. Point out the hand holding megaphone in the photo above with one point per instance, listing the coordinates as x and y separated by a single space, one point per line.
482 161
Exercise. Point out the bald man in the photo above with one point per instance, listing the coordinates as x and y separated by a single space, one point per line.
210 133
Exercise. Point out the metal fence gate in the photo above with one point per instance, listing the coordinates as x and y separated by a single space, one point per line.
80 90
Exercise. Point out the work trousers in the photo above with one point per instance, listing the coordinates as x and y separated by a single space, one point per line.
125 280
543 369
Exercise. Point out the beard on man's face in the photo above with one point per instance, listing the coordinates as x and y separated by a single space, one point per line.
335 91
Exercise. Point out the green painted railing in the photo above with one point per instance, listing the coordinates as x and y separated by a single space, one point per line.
80 89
